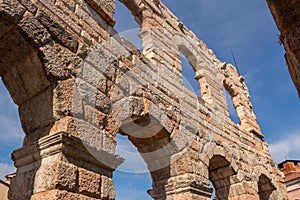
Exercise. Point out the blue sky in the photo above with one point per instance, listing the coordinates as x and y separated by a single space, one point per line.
248 29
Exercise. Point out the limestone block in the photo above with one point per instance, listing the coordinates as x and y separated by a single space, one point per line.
102 102
60 195
133 6
109 143
91 21
111 125
65 124
236 190
107 188
91 72
12 9
23 76
34 31
94 116
37 112
88 133
105 9
183 165
66 101
89 183
60 63
56 175
22 183
69 4
58 32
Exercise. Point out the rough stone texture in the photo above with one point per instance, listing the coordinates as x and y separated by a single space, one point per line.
4 187
287 17
52 175
78 85
89 183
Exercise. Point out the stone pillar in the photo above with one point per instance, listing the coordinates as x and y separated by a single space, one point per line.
189 190
185 186
61 166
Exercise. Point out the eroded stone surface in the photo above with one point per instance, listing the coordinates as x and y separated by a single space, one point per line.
78 85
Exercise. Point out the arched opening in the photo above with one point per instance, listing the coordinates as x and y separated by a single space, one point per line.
24 76
231 108
188 76
132 178
265 187
150 153
11 132
126 26
190 66
220 172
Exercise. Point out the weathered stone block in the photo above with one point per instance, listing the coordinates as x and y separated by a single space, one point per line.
56 175
11 10
58 32
26 70
105 9
60 63
37 112
102 102
34 31
60 195
23 183
89 183
71 109
107 188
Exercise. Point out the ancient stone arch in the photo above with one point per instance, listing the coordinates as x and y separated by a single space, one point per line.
77 85
220 173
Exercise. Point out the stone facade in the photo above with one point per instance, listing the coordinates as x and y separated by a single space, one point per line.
291 170
287 17
78 84
3 190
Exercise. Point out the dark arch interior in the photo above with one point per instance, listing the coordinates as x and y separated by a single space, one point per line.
265 187
220 172
148 136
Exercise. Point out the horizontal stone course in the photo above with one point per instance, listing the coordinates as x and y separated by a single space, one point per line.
77 88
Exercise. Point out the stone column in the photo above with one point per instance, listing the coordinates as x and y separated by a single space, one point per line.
185 186
61 166
189 190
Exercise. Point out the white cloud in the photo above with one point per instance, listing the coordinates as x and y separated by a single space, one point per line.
286 148
6 169
133 163
10 130
251 76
